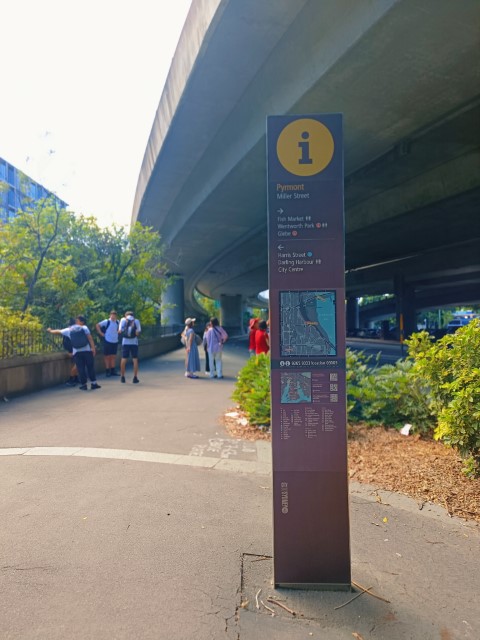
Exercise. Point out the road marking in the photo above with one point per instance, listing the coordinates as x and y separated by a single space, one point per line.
261 466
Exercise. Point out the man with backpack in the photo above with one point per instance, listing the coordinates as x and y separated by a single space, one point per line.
67 345
83 349
129 329
108 330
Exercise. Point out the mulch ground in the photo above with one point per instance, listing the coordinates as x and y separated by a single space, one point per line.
422 469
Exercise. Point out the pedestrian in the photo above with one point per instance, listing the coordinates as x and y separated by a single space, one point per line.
205 348
215 339
262 341
83 349
253 326
192 359
129 329
108 330
67 345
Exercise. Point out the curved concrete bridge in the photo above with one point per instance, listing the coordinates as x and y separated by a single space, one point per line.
405 74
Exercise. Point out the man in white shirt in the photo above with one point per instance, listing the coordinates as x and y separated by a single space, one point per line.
83 351
129 329
108 330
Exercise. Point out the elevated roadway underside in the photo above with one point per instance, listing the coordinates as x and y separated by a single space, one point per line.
405 74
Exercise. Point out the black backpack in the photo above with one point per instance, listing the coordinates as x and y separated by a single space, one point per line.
130 329
67 344
78 338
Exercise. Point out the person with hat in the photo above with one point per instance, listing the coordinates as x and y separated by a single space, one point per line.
192 359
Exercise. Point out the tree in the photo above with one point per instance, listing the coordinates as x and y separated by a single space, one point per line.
58 265
34 261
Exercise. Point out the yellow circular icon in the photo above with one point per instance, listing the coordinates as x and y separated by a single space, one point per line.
305 147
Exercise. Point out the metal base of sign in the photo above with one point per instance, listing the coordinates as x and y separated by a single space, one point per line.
314 587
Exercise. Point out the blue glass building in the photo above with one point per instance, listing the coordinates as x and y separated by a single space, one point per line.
18 191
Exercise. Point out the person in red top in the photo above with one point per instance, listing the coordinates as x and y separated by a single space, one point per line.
262 343
253 326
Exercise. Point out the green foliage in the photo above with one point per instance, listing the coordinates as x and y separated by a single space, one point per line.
207 304
451 368
22 334
388 394
57 265
436 389
13 320
252 390
357 368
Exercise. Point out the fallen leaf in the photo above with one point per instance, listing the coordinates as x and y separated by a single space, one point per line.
357 636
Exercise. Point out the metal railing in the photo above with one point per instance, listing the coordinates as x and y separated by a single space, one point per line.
29 342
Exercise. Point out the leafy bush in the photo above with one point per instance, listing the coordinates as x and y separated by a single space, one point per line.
451 369
13 320
388 394
252 390
22 334
358 366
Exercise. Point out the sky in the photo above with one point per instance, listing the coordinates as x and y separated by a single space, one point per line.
80 85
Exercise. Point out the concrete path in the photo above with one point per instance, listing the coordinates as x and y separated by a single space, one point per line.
129 513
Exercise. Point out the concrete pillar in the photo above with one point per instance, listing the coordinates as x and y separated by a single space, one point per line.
353 315
173 296
231 314
405 306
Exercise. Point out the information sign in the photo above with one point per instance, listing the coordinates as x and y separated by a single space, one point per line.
307 339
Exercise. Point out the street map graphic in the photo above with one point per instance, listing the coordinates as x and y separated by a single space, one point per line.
307 323
296 387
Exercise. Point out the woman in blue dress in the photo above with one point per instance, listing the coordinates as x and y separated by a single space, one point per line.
192 359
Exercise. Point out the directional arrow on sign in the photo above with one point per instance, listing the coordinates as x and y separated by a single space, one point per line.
280 211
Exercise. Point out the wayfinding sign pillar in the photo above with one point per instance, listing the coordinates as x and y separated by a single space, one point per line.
307 336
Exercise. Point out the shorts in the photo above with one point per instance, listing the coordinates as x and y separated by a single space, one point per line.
110 348
129 350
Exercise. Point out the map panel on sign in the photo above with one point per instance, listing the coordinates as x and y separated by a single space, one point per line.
296 387
308 323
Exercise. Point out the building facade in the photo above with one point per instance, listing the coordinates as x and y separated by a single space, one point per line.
18 191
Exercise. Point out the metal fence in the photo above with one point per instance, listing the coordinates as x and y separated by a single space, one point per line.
28 342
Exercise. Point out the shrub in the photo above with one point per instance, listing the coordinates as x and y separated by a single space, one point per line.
252 390
357 368
451 368
386 394
12 320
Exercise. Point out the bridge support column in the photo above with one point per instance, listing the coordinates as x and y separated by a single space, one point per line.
174 295
405 306
232 314
353 314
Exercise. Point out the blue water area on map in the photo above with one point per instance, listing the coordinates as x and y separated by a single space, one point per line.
298 394
326 316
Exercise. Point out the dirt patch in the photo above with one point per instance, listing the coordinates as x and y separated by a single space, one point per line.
422 469
237 425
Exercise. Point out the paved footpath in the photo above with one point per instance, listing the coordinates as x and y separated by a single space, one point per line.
129 513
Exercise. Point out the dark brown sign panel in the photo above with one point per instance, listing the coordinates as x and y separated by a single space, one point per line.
307 336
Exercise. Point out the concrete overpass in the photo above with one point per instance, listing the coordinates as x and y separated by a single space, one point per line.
406 76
